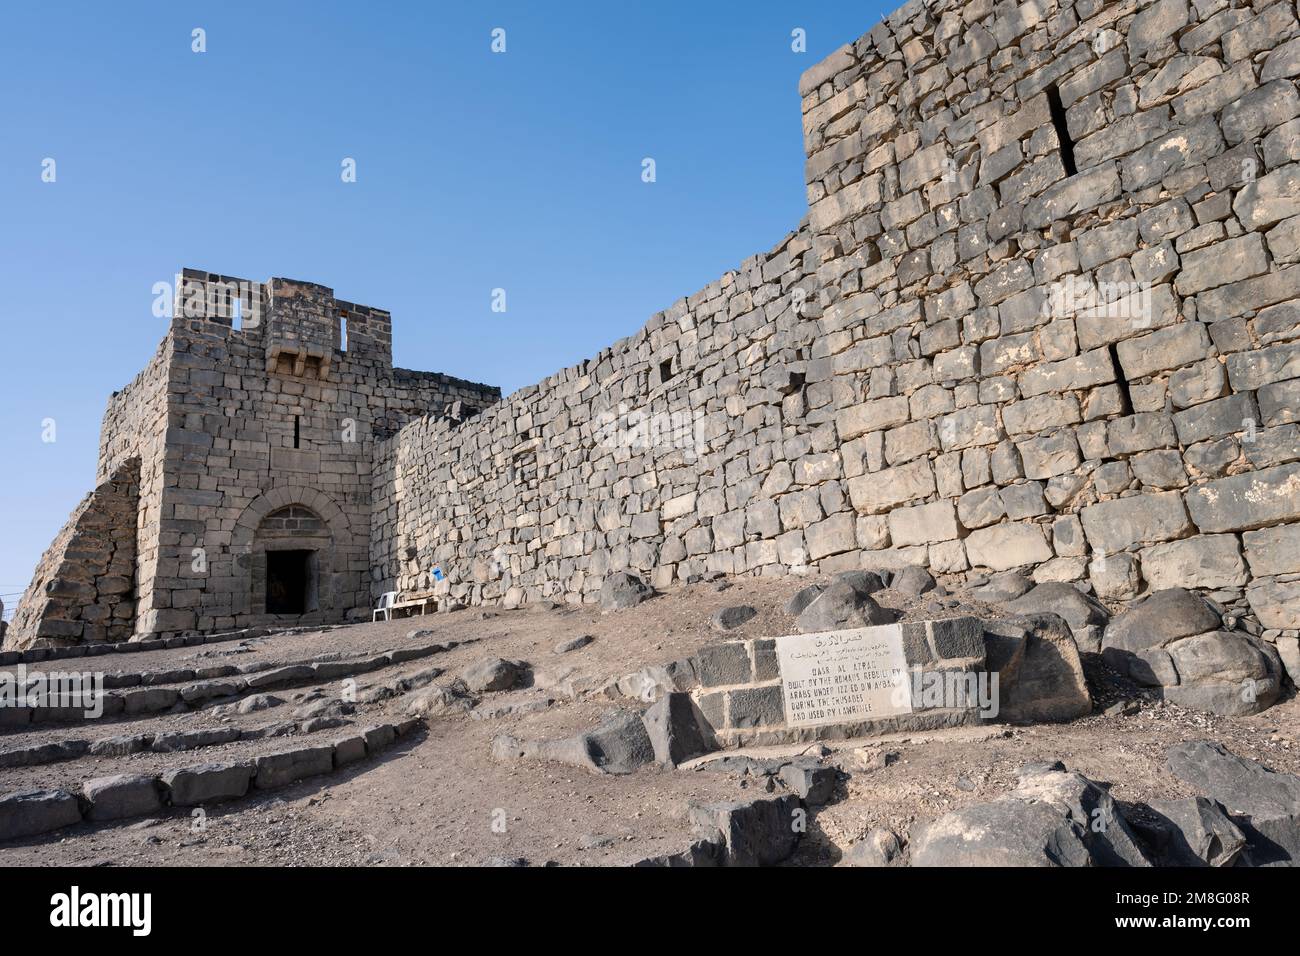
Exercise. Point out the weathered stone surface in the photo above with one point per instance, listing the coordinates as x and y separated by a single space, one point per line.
1264 804
1077 609
1141 519
1163 617
621 591
678 731
282 769
1192 832
1047 681
841 606
1048 820
1249 501
880 847
757 833
1276 603
1005 546
730 618
1207 561
1224 672
495 674
29 812
122 795
207 783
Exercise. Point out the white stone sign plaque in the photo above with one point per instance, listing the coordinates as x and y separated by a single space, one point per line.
844 676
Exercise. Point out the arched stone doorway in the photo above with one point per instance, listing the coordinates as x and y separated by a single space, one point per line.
290 548
291 545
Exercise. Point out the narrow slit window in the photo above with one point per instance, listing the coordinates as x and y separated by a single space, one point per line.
237 314
1057 109
343 333
1121 380
297 431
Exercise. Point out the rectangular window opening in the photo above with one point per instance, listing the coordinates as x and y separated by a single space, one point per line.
237 314
343 333
1057 109
665 370
297 430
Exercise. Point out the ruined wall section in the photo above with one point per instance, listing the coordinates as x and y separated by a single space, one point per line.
1051 274
83 588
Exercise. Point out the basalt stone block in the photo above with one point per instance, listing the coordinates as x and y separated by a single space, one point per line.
1207 561
123 795
678 730
749 707
621 591
719 665
282 769
207 783
1191 832
1265 804
757 833
30 812
1006 546
1247 501
1120 524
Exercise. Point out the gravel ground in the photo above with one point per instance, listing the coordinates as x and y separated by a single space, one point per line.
439 798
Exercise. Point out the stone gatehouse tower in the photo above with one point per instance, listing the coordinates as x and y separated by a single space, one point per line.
234 477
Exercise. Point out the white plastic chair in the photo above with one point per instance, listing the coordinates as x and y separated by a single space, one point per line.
385 606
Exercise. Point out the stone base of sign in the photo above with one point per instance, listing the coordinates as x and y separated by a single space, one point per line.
741 693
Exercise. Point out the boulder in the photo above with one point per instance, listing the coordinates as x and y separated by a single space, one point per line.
732 617
1002 587
802 598
678 730
760 832
1225 672
864 582
1047 682
123 795
619 745
810 779
1003 832
1191 832
495 674
1079 610
1163 617
880 847
1052 818
577 643
841 606
452 698
912 581
1263 803
1172 641
621 591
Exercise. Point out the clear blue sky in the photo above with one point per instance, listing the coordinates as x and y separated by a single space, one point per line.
474 171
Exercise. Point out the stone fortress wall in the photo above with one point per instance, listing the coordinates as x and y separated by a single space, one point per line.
1044 313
